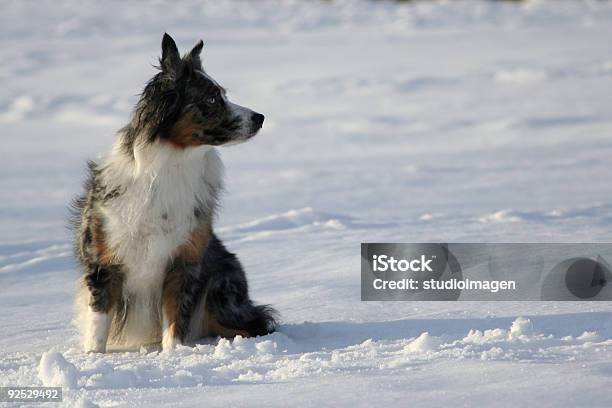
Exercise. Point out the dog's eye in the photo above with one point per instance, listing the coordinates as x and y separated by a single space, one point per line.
211 100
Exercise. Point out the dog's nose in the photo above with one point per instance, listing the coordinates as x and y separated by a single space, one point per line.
258 120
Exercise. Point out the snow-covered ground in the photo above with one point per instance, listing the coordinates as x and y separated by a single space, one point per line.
421 121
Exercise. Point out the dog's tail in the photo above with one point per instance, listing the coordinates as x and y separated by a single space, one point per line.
260 320
256 320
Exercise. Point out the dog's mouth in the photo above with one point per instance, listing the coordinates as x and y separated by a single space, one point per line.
251 134
247 130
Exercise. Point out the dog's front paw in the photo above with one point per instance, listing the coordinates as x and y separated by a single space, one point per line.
169 342
97 332
169 336
93 346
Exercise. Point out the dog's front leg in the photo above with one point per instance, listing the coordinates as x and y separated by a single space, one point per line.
103 285
170 336
180 295
98 325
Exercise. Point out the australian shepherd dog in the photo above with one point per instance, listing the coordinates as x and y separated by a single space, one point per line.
153 270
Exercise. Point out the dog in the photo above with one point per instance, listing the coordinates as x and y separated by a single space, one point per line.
153 270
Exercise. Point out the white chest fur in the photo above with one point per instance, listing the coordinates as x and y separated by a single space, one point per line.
154 212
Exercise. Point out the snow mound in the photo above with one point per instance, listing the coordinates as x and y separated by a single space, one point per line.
521 327
55 371
423 344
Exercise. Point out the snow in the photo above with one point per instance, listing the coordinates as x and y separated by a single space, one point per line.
423 344
327 352
55 371
462 121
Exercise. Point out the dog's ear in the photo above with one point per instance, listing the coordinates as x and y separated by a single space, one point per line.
170 60
194 55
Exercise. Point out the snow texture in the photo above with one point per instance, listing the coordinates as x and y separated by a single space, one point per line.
463 121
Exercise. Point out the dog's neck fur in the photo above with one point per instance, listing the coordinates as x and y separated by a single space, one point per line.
165 171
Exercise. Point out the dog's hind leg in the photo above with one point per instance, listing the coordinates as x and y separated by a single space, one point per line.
181 294
229 309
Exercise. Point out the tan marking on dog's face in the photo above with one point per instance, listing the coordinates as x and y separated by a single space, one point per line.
192 249
217 329
185 132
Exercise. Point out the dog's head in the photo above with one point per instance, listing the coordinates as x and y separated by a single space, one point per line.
185 107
